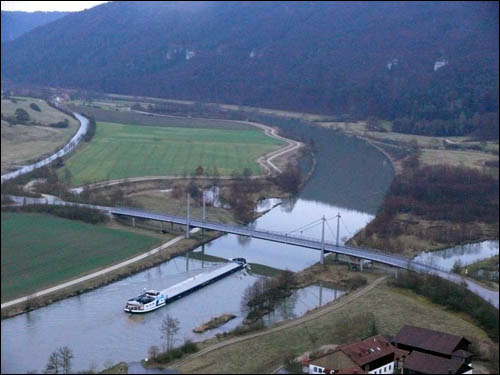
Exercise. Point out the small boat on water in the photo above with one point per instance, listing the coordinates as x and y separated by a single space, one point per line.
151 300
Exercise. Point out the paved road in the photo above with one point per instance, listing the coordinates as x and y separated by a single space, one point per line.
98 273
342 301
73 142
311 243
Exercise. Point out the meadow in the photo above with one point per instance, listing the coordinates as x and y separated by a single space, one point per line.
40 250
125 150
22 144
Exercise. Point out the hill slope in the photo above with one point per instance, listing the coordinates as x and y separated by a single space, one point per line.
14 24
390 59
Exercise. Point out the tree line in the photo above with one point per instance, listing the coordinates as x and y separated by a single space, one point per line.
452 296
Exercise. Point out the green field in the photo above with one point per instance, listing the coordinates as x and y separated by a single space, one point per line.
22 144
124 150
40 250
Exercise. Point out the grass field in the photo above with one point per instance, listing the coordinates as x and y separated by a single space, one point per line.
22 144
267 353
432 149
123 150
165 203
40 250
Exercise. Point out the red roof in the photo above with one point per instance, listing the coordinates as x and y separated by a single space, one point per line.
428 339
431 364
369 350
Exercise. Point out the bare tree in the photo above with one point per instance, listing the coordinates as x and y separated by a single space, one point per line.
53 365
169 328
65 355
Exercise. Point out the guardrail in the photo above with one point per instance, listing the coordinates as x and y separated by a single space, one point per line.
282 237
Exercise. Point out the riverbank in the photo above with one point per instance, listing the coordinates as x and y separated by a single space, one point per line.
265 351
214 323
398 226
484 271
166 251
100 277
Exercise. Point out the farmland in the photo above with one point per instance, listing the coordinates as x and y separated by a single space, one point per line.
58 249
22 144
125 150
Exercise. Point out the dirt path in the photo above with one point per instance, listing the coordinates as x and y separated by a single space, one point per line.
265 161
96 274
320 312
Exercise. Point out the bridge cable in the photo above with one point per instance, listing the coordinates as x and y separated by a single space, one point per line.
310 225
331 231
346 226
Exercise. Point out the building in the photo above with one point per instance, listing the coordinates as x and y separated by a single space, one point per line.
421 363
433 351
375 355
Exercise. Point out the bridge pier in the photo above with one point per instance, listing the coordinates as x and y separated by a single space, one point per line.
187 221
133 221
361 264
203 229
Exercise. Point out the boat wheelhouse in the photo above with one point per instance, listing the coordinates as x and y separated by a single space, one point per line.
151 299
148 301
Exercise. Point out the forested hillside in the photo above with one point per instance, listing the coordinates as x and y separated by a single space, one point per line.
15 24
432 66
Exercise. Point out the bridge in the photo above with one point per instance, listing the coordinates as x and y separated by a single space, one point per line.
280 237
301 241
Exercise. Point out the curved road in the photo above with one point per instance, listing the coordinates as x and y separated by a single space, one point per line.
73 142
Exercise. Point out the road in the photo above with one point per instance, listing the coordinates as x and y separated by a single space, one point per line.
311 243
265 161
306 318
96 274
73 142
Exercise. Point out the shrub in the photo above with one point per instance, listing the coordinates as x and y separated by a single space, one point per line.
176 353
356 282
60 124
22 116
35 107
452 296
85 214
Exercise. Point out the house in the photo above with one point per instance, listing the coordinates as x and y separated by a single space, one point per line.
433 351
421 363
375 355
437 343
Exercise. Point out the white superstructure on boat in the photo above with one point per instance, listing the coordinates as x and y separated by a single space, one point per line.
148 301
151 299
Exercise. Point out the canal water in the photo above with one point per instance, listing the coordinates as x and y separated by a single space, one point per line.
350 178
465 254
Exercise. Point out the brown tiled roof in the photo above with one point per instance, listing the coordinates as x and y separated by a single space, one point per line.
369 350
428 339
431 364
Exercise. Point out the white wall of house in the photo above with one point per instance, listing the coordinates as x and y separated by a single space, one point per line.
313 369
385 369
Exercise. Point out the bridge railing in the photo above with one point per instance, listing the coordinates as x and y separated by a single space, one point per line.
278 234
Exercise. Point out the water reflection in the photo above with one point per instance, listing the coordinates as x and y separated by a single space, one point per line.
95 327
350 177
466 254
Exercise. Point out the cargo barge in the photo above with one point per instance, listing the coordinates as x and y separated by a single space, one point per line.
151 300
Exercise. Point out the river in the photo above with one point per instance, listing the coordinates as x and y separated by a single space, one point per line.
350 178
